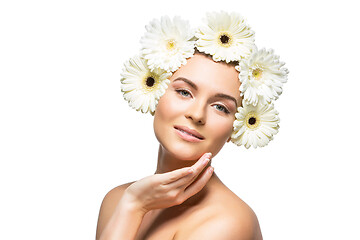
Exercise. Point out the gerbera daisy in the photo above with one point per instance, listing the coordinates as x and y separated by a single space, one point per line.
255 125
167 44
225 37
262 76
143 88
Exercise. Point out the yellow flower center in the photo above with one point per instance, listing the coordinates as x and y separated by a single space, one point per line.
225 39
252 121
257 73
170 45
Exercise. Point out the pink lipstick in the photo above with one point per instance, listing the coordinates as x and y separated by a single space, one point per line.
188 134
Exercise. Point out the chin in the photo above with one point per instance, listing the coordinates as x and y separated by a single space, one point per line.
185 152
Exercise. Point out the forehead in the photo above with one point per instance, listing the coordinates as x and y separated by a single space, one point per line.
210 76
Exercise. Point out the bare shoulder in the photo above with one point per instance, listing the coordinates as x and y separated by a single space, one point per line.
108 206
238 221
228 218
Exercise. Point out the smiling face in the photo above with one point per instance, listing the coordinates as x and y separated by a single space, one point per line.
196 113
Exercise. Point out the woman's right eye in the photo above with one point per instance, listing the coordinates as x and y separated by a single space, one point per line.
183 92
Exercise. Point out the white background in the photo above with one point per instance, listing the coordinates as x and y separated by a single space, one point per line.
67 136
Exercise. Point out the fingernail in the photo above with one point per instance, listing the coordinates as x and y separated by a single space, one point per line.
211 169
209 154
206 160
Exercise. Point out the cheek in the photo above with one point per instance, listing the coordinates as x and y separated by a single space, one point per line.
166 111
171 106
222 130
223 127
226 131
165 108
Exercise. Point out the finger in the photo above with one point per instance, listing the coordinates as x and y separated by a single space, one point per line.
197 168
196 186
169 177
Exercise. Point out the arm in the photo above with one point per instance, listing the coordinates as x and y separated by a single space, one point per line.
125 221
111 205
124 208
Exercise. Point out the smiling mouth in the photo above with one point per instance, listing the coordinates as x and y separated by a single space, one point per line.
188 133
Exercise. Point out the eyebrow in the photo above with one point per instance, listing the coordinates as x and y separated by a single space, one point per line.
193 85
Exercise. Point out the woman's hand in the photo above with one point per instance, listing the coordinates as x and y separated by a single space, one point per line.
168 189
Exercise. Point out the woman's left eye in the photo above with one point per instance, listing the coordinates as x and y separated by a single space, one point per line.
221 108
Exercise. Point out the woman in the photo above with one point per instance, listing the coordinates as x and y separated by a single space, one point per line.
185 199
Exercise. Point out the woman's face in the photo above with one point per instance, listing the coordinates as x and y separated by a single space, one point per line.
202 96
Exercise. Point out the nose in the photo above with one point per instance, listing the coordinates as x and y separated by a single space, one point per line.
197 112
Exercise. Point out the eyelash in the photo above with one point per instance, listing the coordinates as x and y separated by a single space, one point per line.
179 91
224 109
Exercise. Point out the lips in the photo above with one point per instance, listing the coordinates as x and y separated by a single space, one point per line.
189 131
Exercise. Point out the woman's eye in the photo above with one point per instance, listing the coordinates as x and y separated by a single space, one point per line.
183 92
221 108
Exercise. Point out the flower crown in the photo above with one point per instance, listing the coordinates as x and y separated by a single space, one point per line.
226 37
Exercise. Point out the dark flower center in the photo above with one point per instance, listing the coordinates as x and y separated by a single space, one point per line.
224 39
150 81
252 121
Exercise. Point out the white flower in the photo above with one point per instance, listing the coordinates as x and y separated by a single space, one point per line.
143 88
262 76
167 44
255 125
225 37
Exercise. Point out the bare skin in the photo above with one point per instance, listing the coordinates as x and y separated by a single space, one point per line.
175 203
159 191
169 217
